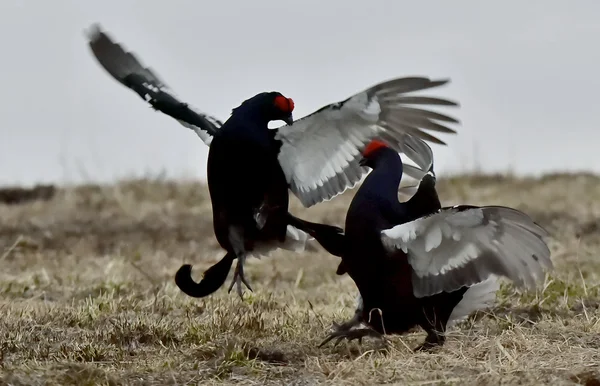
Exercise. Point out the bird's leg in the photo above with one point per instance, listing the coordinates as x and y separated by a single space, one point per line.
340 329
236 238
345 330
433 340
356 320
260 216
348 325
435 325
239 277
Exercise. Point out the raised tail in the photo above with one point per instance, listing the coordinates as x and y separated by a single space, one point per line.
212 280
425 201
330 237
421 154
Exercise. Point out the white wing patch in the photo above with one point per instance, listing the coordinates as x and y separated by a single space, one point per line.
320 152
462 246
204 136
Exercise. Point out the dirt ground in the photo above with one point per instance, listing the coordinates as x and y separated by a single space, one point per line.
87 297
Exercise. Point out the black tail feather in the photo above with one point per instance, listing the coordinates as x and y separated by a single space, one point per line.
212 280
330 237
426 200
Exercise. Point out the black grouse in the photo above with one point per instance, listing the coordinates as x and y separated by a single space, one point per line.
316 157
418 264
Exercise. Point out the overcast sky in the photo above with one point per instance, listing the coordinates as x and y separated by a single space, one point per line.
525 73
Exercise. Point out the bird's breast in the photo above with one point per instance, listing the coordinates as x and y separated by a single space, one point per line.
244 178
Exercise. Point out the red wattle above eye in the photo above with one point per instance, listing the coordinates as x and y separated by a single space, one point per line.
284 104
373 146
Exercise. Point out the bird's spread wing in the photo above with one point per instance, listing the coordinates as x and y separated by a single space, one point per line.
465 245
320 152
129 71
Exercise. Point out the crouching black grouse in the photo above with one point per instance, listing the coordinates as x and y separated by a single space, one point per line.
251 167
418 264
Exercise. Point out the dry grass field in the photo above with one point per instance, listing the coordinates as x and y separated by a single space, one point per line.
87 297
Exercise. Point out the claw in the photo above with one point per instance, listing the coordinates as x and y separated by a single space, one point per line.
239 278
431 343
427 347
338 329
359 334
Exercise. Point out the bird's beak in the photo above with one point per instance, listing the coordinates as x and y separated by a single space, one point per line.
362 162
289 119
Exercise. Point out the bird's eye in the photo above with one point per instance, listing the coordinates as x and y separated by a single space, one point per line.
284 104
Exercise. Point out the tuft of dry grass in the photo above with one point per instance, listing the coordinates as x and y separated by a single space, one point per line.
87 297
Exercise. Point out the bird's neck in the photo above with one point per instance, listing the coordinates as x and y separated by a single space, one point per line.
383 182
250 114
248 126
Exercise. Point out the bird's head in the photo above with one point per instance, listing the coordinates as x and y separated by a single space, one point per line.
272 106
282 108
373 152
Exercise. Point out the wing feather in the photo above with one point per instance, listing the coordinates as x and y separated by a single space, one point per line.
335 136
420 100
420 114
465 245
128 70
320 152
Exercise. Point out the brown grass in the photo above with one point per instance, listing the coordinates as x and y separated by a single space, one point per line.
87 297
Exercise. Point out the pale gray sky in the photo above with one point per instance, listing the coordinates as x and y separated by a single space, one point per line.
525 73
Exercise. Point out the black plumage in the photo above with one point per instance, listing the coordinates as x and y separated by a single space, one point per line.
251 167
418 264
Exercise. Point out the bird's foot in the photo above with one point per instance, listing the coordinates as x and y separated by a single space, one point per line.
239 278
427 347
432 342
347 333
